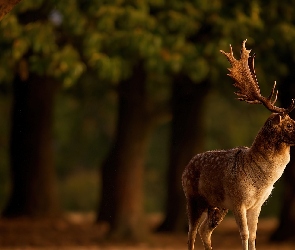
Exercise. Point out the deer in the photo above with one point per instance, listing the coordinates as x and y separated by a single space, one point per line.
239 179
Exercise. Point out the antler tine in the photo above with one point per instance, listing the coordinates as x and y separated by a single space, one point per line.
272 94
276 97
243 73
231 50
291 107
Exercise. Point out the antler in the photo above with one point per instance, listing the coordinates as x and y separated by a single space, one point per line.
243 73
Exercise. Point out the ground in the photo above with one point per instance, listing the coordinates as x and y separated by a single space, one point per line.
78 232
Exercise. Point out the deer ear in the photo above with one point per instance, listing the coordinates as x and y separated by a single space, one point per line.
277 119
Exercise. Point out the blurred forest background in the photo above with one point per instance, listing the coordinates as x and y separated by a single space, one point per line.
103 103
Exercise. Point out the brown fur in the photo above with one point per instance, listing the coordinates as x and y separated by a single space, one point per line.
239 179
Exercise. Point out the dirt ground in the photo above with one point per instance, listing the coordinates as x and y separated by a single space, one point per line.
78 232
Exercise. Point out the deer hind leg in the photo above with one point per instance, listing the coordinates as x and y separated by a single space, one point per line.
213 218
195 209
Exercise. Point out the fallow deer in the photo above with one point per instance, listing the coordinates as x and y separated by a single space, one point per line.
242 178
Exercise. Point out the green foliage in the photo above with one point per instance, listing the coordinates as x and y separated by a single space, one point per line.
111 37
37 45
28 5
64 65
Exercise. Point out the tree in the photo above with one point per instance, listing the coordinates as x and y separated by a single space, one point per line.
54 40
38 64
187 139
133 52
154 49
31 148
123 169
217 24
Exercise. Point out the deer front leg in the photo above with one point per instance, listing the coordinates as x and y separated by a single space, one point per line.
241 219
252 218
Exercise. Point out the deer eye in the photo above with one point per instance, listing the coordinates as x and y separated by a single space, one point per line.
289 125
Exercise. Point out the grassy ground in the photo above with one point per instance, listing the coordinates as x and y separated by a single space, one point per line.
78 232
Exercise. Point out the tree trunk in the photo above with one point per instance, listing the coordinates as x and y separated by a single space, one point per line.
122 172
33 190
186 140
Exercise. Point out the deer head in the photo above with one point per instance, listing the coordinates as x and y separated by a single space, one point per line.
243 73
279 124
279 129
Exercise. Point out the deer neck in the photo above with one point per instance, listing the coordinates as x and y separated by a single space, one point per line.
267 157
